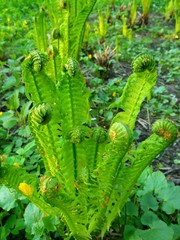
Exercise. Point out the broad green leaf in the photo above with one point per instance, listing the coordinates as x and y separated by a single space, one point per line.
27 148
170 198
25 108
154 183
24 131
159 230
50 223
11 160
10 123
144 175
148 201
148 218
3 133
131 209
9 83
7 198
14 101
176 229
33 220
10 222
19 226
129 232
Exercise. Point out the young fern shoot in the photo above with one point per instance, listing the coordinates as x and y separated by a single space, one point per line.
87 180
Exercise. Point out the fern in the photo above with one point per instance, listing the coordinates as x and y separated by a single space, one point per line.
12 177
41 31
77 29
89 172
138 87
140 159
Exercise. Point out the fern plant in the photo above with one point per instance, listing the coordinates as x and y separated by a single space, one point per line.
90 171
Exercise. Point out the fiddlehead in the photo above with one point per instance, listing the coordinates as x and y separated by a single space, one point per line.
36 61
109 170
45 135
41 113
56 33
138 87
99 135
165 128
77 134
49 187
165 133
72 67
142 62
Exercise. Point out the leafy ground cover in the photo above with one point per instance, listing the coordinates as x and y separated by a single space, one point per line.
109 47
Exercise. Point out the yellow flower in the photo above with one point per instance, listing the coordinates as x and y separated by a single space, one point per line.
26 189
1 113
114 94
24 24
90 56
16 164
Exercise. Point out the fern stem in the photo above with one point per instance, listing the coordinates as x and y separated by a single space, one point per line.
75 162
75 7
95 156
37 88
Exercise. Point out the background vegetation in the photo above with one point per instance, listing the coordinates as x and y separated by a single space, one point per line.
112 39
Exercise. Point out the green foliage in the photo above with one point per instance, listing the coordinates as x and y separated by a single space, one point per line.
88 166
158 203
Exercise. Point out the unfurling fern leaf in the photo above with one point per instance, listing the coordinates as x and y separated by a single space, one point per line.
36 61
41 113
109 170
165 128
99 135
142 62
49 186
56 33
138 87
77 134
72 67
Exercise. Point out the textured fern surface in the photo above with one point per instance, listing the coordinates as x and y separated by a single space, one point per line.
89 171
138 87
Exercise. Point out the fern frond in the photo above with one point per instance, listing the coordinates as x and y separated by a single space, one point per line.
74 105
95 149
46 136
108 171
74 216
77 29
22 182
39 87
165 133
138 87
40 30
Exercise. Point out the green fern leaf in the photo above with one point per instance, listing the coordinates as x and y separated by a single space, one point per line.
39 87
74 105
77 29
138 88
109 169
166 132
26 184
46 136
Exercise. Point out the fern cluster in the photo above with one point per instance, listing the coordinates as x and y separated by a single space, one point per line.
90 171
